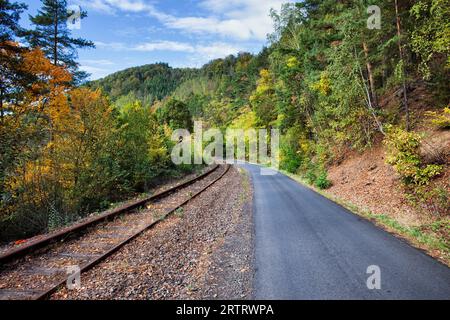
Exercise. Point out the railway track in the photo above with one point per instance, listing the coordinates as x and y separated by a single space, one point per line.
35 270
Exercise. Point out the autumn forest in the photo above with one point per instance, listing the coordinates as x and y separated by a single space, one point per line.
71 147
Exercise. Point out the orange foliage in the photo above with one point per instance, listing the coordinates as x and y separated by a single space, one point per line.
49 75
48 92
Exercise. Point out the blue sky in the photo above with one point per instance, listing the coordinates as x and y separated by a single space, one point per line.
184 33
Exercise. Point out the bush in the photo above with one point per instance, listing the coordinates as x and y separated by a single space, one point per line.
293 149
310 175
322 181
291 161
317 175
440 120
403 153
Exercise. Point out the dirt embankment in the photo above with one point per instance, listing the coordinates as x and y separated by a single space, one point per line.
366 181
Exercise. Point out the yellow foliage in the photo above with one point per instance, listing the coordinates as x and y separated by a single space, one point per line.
48 93
305 146
264 74
247 120
264 85
440 120
323 85
292 62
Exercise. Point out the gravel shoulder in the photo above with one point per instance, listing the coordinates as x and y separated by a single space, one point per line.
201 252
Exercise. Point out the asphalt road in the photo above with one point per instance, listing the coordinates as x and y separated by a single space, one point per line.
308 247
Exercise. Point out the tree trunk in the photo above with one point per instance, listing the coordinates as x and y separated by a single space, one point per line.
2 114
55 39
400 50
370 75
368 97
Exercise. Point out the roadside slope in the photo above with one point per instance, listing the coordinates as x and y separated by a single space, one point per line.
364 181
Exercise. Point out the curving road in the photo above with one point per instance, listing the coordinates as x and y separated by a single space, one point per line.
308 247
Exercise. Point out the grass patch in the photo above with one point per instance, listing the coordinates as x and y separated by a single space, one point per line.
179 212
159 216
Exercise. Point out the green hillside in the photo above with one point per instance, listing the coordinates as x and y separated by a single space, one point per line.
148 83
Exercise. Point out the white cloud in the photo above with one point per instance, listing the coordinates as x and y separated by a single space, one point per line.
95 72
197 54
111 45
112 6
97 5
100 62
230 28
128 5
164 46
215 50
240 19
233 19
211 50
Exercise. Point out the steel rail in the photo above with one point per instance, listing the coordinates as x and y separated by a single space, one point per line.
21 251
94 262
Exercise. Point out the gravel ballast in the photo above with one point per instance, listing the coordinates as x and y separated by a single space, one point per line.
203 251
34 274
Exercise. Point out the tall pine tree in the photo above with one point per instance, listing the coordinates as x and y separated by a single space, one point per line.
9 19
53 36
10 71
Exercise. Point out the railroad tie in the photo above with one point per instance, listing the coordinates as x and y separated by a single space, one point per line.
18 294
44 271
80 256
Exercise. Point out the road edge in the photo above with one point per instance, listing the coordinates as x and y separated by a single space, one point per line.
384 222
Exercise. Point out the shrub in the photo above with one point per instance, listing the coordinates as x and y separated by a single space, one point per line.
317 175
290 160
440 120
403 153
322 181
291 150
310 176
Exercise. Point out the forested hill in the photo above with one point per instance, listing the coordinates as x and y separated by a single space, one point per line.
217 92
147 83
329 81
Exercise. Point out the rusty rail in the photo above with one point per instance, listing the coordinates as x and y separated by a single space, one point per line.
91 264
66 232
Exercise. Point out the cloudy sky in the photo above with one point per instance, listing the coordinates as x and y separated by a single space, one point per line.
184 33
